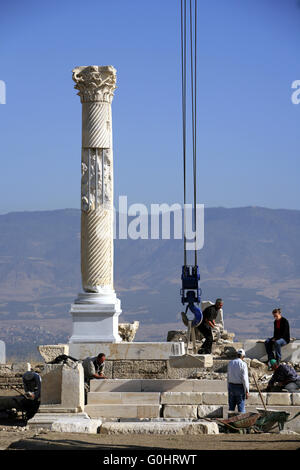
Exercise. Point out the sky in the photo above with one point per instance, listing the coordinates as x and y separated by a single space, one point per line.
248 127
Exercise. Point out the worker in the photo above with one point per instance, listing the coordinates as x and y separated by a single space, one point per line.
208 323
281 336
93 368
237 383
32 387
285 376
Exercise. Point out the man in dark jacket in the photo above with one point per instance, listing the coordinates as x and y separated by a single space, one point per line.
209 322
280 338
285 376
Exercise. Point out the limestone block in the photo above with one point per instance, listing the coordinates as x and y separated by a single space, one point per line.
172 428
278 399
210 411
255 348
116 385
140 369
127 331
72 390
128 351
20 367
295 399
254 399
124 398
87 426
181 398
51 389
214 398
2 352
122 411
50 351
180 411
191 361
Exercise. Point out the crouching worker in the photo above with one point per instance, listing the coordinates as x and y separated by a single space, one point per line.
284 376
93 368
32 387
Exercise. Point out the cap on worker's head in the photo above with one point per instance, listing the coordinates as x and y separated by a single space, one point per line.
241 352
273 362
29 375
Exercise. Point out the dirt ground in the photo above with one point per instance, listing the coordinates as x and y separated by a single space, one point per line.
17 439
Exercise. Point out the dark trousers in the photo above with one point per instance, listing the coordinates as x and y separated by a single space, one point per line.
207 333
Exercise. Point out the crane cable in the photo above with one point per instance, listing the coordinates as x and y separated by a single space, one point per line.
193 80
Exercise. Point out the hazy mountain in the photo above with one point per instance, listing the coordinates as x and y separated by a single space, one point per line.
250 258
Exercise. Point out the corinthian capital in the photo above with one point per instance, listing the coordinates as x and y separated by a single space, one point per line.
95 83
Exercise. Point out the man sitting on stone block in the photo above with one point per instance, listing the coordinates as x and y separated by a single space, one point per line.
281 336
285 376
93 368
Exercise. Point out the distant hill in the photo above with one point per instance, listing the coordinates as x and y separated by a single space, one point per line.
250 258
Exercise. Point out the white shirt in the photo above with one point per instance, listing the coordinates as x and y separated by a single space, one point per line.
237 373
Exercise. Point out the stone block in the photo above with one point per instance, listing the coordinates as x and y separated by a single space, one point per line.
2 352
278 399
51 384
115 398
191 361
122 411
75 425
128 351
72 388
210 411
50 351
295 397
172 428
181 398
214 398
20 367
116 385
180 411
254 399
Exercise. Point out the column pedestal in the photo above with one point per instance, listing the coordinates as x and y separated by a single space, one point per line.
95 318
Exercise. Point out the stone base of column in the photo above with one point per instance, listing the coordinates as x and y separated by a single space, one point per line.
95 318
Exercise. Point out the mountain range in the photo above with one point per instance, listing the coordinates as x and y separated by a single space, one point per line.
250 258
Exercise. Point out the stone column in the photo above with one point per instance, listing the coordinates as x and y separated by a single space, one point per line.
96 310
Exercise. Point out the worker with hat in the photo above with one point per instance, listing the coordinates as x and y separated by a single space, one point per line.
285 376
237 383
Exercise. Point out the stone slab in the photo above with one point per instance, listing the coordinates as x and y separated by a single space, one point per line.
295 397
2 352
50 351
180 411
181 398
139 369
20 367
172 428
191 361
136 350
210 411
122 411
279 399
254 399
123 398
255 349
214 398
157 385
76 425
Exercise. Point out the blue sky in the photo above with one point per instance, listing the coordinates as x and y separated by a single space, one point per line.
248 133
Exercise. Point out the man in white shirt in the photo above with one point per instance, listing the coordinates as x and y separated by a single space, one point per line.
237 383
